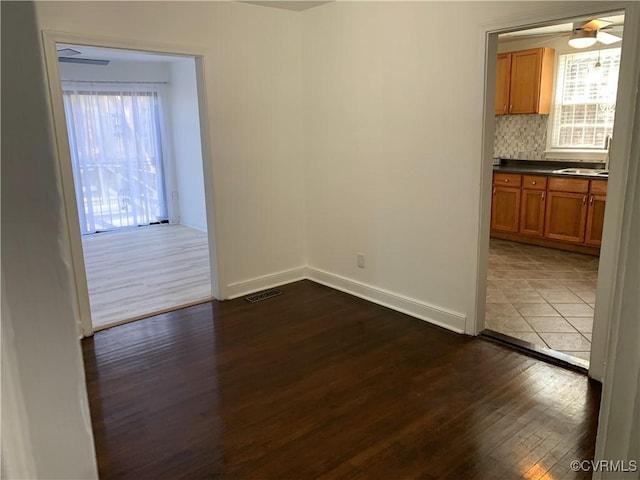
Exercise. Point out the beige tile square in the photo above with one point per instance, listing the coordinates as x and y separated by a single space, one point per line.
560 296
523 296
550 324
530 337
535 310
494 310
573 309
550 284
566 341
587 296
582 324
508 324
581 355
505 285
496 297
580 285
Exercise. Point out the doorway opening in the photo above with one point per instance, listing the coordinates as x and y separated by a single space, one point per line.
138 180
554 120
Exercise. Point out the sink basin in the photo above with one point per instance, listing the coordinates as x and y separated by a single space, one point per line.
583 171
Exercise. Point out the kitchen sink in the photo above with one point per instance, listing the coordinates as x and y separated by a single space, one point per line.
594 172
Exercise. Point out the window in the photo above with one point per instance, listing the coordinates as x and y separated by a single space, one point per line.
116 153
585 100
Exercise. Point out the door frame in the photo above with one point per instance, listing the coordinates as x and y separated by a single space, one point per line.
72 238
619 182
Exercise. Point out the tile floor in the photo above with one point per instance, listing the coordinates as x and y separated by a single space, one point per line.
542 295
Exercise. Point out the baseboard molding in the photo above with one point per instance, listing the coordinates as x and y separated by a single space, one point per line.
200 228
438 316
239 289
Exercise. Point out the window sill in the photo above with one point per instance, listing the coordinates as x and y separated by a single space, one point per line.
577 155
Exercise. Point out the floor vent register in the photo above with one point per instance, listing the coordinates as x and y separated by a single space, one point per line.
258 297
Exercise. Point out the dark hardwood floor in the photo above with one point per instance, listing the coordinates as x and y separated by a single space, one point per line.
319 384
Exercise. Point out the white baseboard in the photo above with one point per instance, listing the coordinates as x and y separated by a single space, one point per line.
201 228
436 315
239 289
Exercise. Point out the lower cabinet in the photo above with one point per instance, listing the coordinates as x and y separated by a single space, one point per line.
566 216
595 212
532 205
505 209
505 204
564 209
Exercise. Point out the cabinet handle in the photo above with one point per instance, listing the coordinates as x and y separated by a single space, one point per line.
494 190
584 200
543 196
506 180
591 200
533 183
510 108
505 109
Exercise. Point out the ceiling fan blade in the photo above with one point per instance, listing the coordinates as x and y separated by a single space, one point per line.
596 24
68 52
85 61
607 38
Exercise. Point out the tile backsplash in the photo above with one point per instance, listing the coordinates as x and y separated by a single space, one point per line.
520 136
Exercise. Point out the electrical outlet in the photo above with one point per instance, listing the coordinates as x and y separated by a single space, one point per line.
360 257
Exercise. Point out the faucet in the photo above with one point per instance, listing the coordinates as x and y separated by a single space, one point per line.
607 147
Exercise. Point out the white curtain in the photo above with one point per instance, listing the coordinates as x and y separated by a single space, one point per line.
116 153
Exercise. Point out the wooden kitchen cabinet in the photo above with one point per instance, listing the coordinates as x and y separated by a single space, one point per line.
505 206
595 212
532 205
553 211
566 210
528 85
503 81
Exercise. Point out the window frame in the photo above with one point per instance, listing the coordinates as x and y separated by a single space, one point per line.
583 154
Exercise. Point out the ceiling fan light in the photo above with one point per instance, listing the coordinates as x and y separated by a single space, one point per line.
583 38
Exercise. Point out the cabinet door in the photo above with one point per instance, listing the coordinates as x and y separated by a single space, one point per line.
565 216
595 219
525 81
505 209
532 212
503 79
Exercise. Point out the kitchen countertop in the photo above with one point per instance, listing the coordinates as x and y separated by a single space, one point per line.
546 167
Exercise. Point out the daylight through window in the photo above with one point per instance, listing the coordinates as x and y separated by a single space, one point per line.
584 109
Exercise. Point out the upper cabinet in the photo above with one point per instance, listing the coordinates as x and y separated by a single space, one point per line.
524 81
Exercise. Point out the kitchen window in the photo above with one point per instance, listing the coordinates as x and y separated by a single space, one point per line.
585 100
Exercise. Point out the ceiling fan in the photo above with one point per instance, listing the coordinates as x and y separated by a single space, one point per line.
69 55
583 36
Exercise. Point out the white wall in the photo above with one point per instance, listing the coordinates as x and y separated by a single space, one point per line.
252 67
187 151
393 129
45 416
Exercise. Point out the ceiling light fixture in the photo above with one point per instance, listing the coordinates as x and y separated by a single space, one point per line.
583 38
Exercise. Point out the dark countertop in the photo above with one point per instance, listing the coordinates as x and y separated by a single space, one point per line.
546 167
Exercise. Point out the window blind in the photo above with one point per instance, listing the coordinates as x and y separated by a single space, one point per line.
585 100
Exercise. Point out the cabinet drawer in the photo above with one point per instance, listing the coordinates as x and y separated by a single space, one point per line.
599 187
575 185
507 179
534 182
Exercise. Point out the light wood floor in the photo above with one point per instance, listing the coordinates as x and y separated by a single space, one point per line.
135 273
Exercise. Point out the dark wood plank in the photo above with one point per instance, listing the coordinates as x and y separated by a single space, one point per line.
319 384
